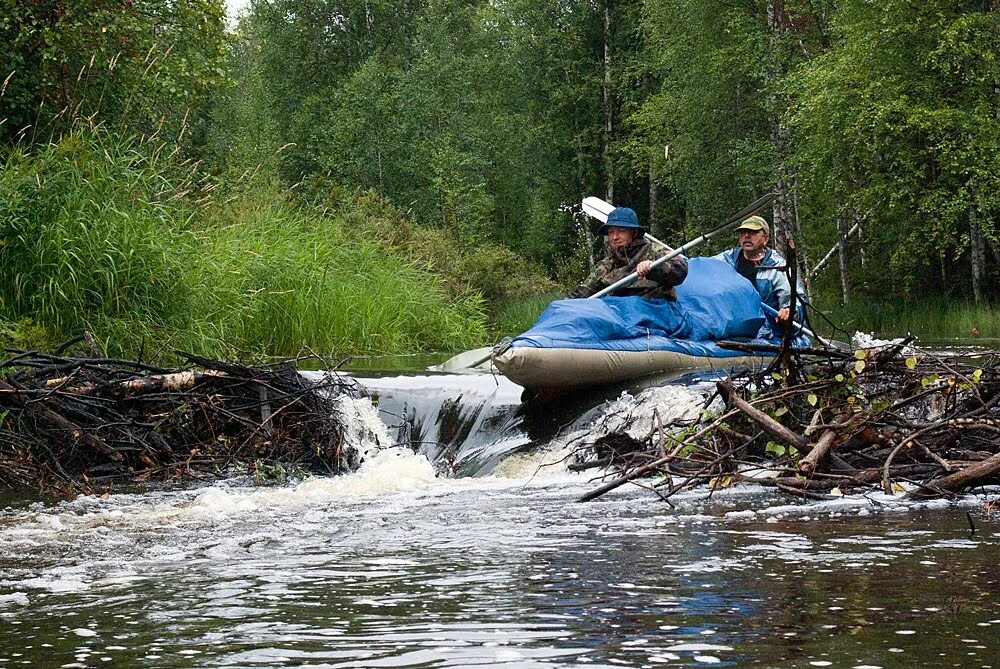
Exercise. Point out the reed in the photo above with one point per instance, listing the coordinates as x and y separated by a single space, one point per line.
288 277
517 315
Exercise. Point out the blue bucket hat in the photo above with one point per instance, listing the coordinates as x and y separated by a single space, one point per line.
622 217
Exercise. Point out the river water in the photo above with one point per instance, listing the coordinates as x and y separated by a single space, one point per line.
467 548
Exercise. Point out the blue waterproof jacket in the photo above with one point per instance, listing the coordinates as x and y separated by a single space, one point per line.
772 284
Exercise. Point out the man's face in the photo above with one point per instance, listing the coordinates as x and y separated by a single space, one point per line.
619 237
752 241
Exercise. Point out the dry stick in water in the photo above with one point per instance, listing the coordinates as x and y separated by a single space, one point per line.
826 440
784 356
964 477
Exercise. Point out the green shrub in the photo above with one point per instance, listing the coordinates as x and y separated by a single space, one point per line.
519 315
107 235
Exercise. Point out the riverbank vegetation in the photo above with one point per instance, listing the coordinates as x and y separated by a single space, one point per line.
934 319
108 236
368 177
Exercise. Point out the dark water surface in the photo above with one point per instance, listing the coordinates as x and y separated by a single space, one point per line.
396 566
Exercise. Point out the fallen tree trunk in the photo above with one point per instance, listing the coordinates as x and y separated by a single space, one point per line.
768 424
965 478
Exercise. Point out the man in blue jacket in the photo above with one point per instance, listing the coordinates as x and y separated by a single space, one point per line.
759 263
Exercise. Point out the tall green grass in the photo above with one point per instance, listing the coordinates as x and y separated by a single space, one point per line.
286 277
936 318
517 315
113 236
94 238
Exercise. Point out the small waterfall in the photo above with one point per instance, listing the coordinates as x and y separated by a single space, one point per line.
464 424
468 424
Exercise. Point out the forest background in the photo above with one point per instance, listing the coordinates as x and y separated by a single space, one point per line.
400 175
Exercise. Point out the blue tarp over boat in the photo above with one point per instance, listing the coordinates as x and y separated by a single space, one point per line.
714 303
597 342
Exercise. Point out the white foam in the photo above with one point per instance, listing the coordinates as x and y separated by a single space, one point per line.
13 599
868 340
698 647
60 580
653 412
387 471
642 416
363 430
543 463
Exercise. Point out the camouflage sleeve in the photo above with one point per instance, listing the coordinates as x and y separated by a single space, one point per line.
670 273
593 283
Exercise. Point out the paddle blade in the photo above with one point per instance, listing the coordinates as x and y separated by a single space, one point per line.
469 362
597 208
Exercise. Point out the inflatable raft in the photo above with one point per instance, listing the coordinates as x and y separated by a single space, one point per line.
577 343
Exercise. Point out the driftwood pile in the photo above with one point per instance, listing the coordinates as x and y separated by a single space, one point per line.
831 422
80 424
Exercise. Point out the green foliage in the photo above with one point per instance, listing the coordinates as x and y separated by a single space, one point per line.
517 315
143 67
709 105
435 106
939 318
483 123
83 235
500 275
914 149
298 280
105 235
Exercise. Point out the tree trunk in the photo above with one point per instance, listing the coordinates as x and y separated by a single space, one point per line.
843 231
783 217
609 193
583 220
862 252
977 250
803 257
654 194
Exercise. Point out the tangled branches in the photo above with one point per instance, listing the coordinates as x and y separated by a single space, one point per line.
891 418
81 424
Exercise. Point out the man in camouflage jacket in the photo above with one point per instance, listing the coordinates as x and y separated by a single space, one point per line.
630 252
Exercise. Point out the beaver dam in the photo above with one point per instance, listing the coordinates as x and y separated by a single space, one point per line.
827 423
443 529
814 424
84 424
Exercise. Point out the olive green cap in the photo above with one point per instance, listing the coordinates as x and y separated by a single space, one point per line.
755 223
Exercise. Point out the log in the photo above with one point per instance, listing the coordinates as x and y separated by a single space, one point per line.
959 480
174 382
747 347
768 424
826 440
